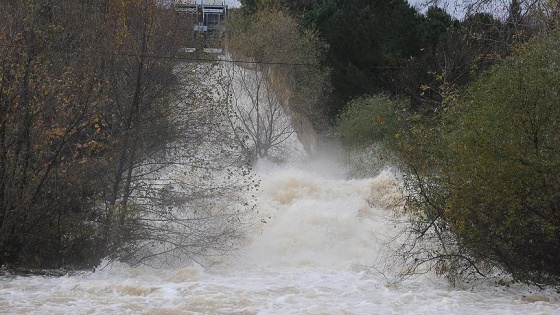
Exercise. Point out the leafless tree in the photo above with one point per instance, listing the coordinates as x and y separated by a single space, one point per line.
499 8
256 114
105 141
287 60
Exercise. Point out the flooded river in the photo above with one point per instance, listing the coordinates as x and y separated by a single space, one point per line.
311 253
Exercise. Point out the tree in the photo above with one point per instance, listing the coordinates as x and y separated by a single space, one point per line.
297 8
188 198
490 197
368 130
283 71
366 41
454 53
156 203
90 128
48 118
258 119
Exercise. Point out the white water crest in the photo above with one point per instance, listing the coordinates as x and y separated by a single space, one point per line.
309 252
320 243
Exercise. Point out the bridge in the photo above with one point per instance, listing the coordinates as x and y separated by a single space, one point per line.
209 14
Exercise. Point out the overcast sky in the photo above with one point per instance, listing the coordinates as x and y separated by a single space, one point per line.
453 7
233 3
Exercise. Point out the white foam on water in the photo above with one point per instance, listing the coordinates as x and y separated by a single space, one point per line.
320 219
310 257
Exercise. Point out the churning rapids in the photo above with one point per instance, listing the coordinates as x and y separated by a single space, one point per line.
309 255
321 246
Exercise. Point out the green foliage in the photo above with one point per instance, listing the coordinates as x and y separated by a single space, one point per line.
505 136
249 6
453 53
496 187
369 120
296 8
436 23
366 40
389 47
368 130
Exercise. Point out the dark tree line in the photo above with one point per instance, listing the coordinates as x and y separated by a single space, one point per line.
475 137
390 47
467 109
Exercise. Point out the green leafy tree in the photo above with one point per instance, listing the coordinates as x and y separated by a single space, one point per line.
367 39
453 54
296 8
492 198
368 130
369 120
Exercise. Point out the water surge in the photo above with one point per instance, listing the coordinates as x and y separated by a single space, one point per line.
315 238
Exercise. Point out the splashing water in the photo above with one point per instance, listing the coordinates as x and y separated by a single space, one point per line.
309 252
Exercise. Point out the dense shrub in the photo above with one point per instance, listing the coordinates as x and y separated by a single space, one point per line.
368 129
496 188
369 119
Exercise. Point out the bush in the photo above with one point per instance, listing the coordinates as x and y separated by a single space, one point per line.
368 129
498 175
367 120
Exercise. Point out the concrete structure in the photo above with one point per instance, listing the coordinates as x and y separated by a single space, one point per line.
209 13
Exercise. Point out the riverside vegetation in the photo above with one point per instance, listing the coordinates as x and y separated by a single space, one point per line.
466 110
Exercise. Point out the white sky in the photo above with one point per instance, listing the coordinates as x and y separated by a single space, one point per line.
453 7
233 3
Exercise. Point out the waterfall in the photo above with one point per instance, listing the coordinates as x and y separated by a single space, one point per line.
315 248
318 243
